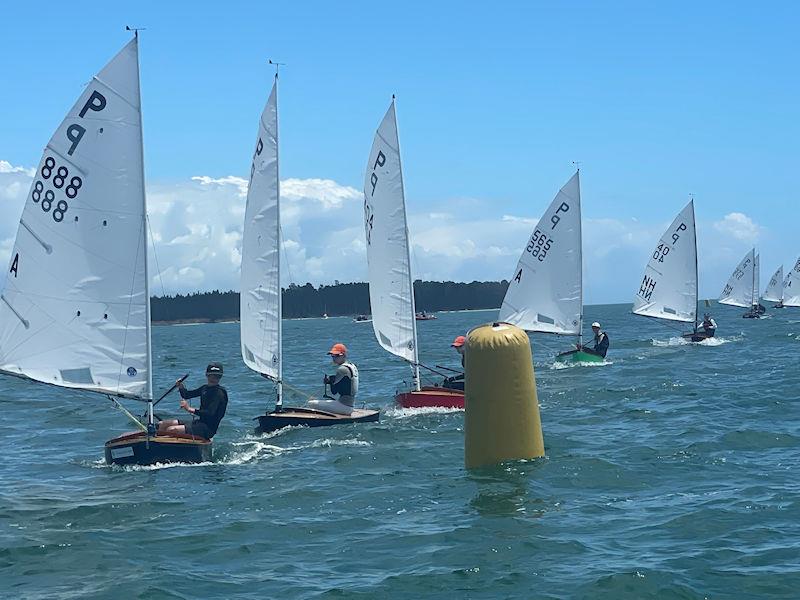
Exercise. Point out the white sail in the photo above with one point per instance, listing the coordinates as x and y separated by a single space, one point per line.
75 308
260 290
739 289
791 287
774 291
669 287
390 285
545 292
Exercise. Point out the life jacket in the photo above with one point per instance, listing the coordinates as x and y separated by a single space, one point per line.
353 377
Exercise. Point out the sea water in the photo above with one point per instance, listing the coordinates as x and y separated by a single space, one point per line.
671 472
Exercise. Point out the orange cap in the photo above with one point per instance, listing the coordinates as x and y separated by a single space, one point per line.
338 350
459 341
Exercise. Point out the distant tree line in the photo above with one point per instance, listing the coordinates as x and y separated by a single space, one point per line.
335 300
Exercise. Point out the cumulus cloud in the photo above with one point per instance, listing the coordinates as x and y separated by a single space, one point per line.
739 226
196 227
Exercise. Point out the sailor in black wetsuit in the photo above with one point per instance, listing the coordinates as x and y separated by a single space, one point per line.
456 382
213 403
600 342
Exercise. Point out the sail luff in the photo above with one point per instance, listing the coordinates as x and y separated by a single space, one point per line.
279 383
149 390
580 260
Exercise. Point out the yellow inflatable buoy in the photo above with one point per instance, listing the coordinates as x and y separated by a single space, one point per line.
502 419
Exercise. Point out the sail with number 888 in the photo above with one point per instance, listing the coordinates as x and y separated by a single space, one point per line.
74 311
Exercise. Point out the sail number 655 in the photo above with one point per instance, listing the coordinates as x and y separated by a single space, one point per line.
538 245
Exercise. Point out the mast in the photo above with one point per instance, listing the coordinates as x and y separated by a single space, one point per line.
151 428
696 274
580 249
279 381
415 364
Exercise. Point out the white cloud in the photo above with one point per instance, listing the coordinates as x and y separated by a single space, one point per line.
739 226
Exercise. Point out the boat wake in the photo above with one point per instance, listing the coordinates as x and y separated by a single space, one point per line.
249 450
680 341
559 365
397 412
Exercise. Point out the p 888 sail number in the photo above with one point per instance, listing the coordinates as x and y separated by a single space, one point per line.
52 179
539 245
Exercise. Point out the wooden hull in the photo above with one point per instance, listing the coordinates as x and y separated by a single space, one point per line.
139 449
309 417
579 356
431 398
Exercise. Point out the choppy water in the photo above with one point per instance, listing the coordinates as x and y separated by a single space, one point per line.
671 472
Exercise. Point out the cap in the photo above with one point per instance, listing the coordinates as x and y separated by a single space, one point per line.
459 341
338 350
596 324
214 368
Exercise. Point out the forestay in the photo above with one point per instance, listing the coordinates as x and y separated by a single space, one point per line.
791 287
545 292
669 287
774 291
739 289
260 298
75 308
389 270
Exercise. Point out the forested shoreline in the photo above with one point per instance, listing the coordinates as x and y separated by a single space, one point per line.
339 299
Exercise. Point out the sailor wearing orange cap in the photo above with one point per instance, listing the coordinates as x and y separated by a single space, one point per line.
344 384
456 382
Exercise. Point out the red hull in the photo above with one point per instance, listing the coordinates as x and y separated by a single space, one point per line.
431 398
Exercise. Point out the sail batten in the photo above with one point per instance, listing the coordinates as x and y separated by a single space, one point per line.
545 293
260 298
740 287
75 310
669 287
391 289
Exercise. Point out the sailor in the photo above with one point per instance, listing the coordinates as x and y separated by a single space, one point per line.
600 342
709 325
213 403
456 382
344 384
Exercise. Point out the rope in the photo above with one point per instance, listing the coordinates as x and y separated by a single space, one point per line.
127 413
155 256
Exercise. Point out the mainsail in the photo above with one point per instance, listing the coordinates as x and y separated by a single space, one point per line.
545 293
669 287
791 287
774 291
388 257
260 299
75 308
739 289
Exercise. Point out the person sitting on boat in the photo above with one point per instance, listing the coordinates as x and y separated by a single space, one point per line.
456 382
709 325
600 342
344 383
213 404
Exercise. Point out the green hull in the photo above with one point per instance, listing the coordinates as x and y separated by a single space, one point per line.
580 356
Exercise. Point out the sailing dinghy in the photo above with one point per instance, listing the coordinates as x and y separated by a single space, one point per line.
261 305
545 294
742 287
75 310
391 290
774 290
669 287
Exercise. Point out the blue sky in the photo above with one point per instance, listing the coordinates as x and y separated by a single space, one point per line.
495 101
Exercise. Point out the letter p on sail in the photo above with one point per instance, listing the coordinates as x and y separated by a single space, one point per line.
555 218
